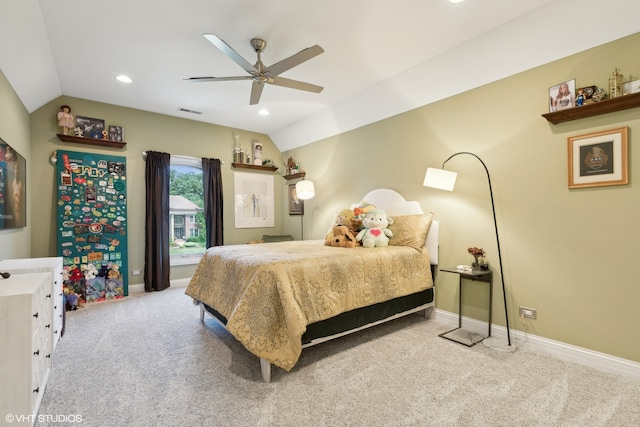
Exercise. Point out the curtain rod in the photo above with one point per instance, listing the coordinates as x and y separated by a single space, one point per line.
144 157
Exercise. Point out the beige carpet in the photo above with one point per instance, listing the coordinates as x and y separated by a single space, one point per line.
147 360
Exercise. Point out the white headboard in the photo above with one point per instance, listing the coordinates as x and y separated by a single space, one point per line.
393 203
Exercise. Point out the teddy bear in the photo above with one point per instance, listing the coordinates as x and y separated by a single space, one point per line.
375 231
343 237
344 217
114 273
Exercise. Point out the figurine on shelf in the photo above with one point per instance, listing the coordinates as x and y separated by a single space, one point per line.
257 153
580 98
78 131
65 118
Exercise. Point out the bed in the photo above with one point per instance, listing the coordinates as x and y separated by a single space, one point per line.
278 298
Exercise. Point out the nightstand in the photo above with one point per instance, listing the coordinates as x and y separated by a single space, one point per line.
485 276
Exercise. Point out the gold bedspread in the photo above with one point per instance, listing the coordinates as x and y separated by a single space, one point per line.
270 292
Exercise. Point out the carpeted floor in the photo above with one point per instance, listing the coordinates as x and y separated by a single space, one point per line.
147 360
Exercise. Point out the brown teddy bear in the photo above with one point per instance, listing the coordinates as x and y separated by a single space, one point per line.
342 238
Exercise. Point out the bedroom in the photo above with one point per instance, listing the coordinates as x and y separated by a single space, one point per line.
566 252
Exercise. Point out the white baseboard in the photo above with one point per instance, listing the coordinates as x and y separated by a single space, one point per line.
594 359
177 283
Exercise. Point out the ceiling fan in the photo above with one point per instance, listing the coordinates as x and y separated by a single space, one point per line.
260 74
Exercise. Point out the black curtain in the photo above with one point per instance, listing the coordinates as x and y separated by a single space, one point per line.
212 183
156 233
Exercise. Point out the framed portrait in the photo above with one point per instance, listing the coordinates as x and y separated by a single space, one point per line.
257 152
562 96
296 205
253 200
598 159
116 133
90 127
13 188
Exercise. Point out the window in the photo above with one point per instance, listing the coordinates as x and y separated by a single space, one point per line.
186 213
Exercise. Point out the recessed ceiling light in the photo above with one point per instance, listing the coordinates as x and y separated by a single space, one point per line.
264 112
124 79
456 1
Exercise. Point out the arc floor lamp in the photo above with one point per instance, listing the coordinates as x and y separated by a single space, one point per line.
305 190
445 180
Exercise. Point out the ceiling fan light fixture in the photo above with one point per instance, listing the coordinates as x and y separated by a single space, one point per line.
124 79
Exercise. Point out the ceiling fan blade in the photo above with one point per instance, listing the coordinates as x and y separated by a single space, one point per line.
293 60
228 50
295 84
217 79
256 92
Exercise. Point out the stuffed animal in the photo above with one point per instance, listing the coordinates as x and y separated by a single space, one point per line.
90 272
375 231
343 217
343 237
114 273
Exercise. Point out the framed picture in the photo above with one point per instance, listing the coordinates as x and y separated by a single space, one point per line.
598 159
91 128
296 206
562 96
116 133
257 152
253 200
13 188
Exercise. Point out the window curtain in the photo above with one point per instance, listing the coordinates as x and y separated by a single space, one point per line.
212 185
156 233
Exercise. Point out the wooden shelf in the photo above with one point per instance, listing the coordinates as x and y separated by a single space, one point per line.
91 141
294 175
620 103
254 167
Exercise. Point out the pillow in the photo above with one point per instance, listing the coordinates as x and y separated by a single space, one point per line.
410 230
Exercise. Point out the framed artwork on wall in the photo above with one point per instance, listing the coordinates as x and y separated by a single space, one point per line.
562 96
598 159
253 200
296 205
13 188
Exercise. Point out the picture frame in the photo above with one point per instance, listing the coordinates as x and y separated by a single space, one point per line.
256 151
296 205
116 133
598 159
558 102
90 127
13 188
253 200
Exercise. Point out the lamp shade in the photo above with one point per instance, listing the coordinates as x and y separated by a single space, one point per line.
440 179
305 190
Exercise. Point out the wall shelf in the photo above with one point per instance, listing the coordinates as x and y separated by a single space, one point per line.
603 107
91 141
294 175
254 167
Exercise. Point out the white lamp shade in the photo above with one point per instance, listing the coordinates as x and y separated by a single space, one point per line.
440 179
305 189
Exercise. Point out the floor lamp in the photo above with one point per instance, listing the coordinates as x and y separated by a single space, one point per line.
305 191
445 180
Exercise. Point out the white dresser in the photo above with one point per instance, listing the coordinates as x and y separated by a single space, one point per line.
25 344
52 265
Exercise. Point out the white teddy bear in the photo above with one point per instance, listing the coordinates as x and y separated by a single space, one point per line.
90 272
375 231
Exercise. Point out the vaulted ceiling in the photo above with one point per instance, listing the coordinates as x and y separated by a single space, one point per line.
380 58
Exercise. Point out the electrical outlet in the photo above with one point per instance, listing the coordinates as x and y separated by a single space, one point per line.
136 272
531 313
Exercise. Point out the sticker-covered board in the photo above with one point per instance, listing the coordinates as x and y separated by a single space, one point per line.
92 225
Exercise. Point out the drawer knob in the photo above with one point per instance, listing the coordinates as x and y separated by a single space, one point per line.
48 326
37 352
37 390
35 315
49 296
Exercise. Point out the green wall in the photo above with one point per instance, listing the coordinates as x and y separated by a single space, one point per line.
144 131
14 130
568 253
